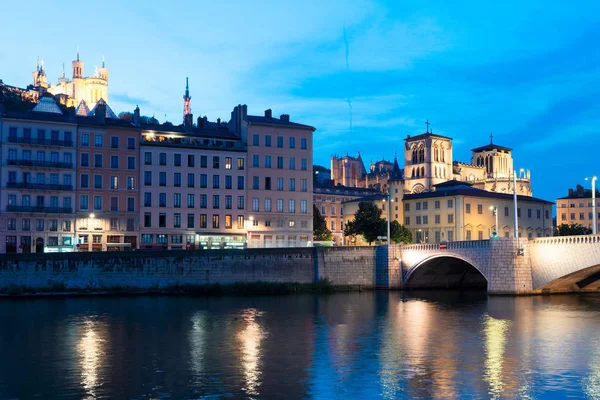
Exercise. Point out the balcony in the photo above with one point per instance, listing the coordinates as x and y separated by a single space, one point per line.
40 142
40 164
37 186
37 209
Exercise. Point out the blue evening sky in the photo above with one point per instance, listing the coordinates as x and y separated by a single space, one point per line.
364 73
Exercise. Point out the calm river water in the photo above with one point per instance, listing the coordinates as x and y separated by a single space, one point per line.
373 345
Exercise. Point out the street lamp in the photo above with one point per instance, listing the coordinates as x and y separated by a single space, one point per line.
593 179
495 212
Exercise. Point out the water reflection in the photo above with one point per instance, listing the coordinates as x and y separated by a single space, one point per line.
197 338
90 349
250 338
496 332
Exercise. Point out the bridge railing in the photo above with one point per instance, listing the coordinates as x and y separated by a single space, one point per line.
466 244
568 239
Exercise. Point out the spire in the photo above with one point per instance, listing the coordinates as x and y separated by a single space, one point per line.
187 87
63 70
187 99
77 52
491 138
102 60
37 64
427 123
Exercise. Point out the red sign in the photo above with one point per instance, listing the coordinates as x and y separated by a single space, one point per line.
443 246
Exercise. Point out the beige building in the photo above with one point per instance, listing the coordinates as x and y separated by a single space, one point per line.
577 208
331 200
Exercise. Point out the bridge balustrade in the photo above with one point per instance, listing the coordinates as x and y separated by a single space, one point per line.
568 239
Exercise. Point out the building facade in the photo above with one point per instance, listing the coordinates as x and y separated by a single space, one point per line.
37 180
577 208
193 191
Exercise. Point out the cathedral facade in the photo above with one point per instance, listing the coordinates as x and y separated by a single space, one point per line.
72 92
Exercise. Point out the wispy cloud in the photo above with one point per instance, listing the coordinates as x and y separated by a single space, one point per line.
131 100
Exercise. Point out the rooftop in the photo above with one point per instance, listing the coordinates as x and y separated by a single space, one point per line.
491 147
465 190
263 120
425 136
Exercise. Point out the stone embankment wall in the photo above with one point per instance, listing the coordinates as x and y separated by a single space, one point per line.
109 270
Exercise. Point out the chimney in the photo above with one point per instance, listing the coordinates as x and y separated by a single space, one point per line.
268 113
570 192
579 190
285 117
199 122
188 121
136 116
101 113
219 121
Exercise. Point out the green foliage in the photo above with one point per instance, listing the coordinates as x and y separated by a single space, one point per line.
144 120
571 230
399 233
320 231
367 222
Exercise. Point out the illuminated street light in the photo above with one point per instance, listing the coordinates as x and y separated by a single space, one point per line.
495 212
595 224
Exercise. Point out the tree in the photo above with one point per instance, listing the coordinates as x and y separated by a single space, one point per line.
367 222
144 120
399 233
571 230
320 231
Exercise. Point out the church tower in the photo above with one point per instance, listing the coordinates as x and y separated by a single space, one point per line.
427 161
103 71
79 90
187 100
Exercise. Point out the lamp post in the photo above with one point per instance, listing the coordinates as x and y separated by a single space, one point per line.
595 224
495 212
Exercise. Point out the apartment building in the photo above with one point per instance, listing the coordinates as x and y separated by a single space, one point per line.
37 180
577 208
279 172
193 187
107 182
330 200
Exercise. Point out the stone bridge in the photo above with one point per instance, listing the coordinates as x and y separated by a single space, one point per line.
502 265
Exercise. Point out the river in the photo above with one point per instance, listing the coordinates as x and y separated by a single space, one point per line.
369 345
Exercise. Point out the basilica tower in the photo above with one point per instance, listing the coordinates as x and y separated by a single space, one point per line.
187 100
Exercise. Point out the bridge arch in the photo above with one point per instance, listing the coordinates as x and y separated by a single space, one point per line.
584 280
445 271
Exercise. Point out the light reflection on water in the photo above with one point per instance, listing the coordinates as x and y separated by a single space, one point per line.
355 345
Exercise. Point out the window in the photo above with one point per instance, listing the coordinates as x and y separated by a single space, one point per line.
216 201
240 183
280 205
255 160
292 224
436 204
267 205
98 181
240 203
190 220
292 163
114 182
192 160
255 140
131 183
202 220
228 163
280 162
162 179
418 206
114 204
147 158
303 164
267 183
450 203
97 160
228 202
519 212
216 161
303 143
292 206
547 214
280 141
240 163
255 182
83 202
191 199
216 181
506 211
479 209
267 161
177 160
98 141
12 224
191 179
292 184
406 206
203 161
203 201
203 181
162 220
130 204
563 216
279 183
85 160
147 238
303 206
437 218
425 219
130 224
162 158
85 139
240 222
292 142
162 199
304 185
406 220
215 220
450 218
114 142
130 143
148 178
255 205
228 182
479 235
178 239
425 205
98 203
468 233
177 200
39 225
83 181
130 162
176 220
228 222
468 208
529 213
177 179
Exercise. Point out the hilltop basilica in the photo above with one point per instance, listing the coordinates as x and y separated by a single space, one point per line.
428 162
79 91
